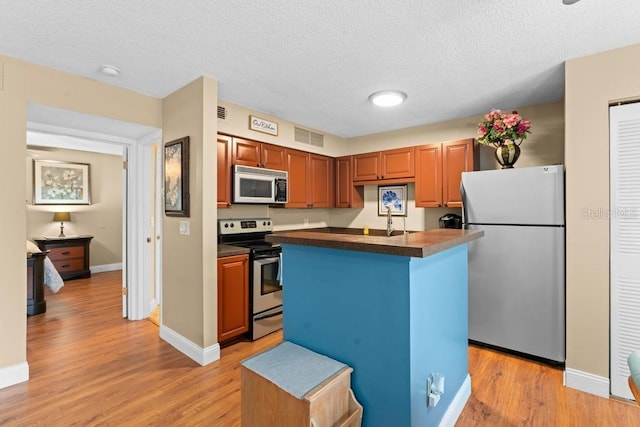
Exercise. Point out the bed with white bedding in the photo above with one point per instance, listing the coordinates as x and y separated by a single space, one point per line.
40 270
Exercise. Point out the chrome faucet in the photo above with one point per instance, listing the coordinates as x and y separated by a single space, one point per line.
389 223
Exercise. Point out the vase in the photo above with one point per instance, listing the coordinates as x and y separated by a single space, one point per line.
507 155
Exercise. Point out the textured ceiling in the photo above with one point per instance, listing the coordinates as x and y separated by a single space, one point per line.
316 62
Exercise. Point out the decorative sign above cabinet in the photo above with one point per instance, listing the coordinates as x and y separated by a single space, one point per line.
262 125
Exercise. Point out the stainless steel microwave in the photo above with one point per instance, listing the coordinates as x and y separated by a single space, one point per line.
259 185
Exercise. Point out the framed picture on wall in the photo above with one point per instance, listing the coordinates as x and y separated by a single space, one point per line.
392 197
60 183
176 177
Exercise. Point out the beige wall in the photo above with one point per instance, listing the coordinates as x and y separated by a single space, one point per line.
237 123
591 84
102 218
21 83
189 281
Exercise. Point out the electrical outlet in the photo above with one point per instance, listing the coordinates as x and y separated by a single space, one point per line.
184 228
306 222
435 388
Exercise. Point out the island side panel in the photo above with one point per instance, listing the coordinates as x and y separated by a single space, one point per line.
354 307
439 331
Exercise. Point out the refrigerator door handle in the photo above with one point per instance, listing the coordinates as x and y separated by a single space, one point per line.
464 206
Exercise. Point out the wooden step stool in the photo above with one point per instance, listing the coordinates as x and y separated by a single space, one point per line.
291 386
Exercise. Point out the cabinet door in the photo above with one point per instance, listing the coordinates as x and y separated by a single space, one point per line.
224 171
321 177
397 163
246 152
428 176
273 157
297 183
366 167
343 182
233 296
457 157
347 194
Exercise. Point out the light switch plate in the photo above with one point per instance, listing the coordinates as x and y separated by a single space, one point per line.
184 228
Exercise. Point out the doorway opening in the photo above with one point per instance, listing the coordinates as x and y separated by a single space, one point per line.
141 226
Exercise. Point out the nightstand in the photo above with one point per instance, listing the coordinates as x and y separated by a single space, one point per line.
70 254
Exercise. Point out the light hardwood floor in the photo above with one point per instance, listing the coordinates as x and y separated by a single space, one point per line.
91 367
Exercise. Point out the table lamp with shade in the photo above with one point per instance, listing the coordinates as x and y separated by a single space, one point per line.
62 217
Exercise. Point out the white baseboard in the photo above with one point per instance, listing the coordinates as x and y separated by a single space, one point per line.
105 267
14 374
587 382
457 405
200 355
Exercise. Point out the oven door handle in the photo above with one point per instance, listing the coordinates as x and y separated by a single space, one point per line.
279 274
268 316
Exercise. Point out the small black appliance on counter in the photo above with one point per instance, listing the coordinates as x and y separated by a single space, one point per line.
450 220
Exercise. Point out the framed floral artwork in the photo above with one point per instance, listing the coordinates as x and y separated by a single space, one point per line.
60 183
176 177
392 197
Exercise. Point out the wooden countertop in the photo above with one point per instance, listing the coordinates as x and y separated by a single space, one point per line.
230 250
417 244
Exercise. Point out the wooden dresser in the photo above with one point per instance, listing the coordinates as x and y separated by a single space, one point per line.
70 255
36 303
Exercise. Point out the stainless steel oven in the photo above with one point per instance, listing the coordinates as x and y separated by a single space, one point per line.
265 285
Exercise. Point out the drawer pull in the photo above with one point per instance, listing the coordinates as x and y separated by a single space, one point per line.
66 253
66 265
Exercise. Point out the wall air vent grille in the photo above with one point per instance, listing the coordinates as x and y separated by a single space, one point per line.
222 113
310 138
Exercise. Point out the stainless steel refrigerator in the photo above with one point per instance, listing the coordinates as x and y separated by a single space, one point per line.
517 270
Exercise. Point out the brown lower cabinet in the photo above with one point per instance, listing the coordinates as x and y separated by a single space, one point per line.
439 170
233 296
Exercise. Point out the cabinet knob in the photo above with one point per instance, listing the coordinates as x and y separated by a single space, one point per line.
66 253
65 265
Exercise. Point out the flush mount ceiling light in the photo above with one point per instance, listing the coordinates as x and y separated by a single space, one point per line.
388 98
110 70
570 1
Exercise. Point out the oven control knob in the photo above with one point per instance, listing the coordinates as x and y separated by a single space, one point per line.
268 222
226 225
264 223
231 225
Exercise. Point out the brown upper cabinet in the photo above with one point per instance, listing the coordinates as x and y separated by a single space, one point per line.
225 144
439 170
310 182
347 194
258 154
384 165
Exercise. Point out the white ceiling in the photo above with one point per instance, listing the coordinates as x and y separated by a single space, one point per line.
316 62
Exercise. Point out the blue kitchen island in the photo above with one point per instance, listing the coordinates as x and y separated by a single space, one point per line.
392 308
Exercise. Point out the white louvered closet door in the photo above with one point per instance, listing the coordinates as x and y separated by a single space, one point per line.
624 125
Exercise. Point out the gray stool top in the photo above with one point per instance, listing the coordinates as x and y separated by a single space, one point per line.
293 368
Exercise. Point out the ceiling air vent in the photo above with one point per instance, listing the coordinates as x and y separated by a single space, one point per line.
310 138
222 113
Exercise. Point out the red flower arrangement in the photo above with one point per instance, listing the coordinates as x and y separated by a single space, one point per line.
500 128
